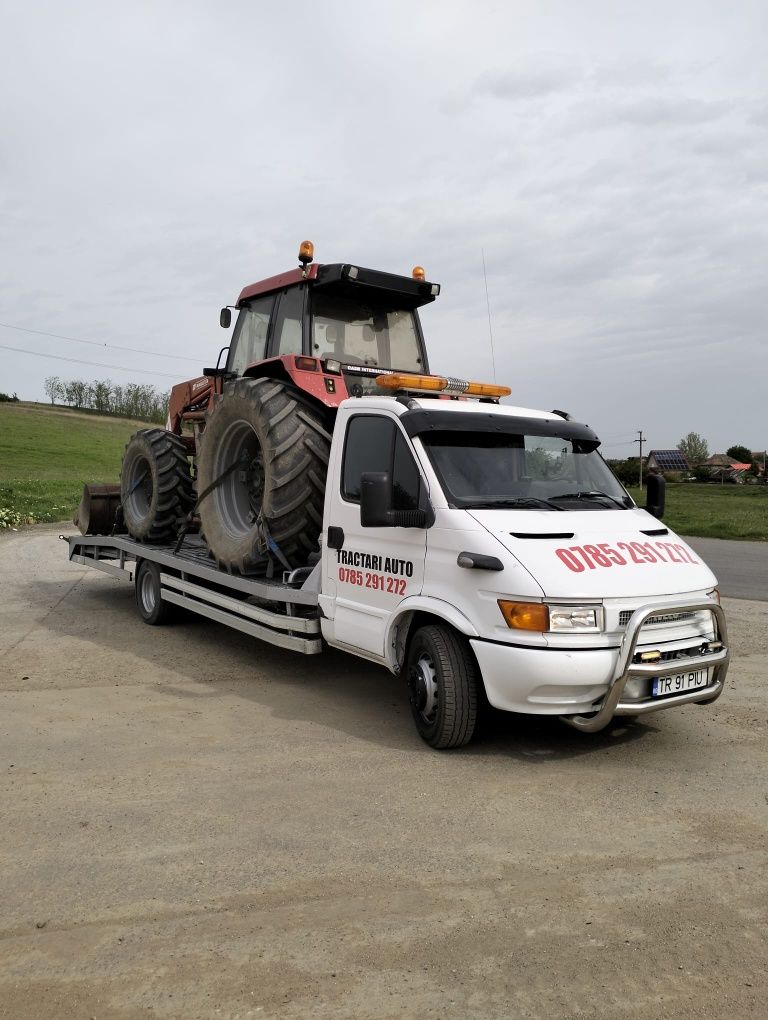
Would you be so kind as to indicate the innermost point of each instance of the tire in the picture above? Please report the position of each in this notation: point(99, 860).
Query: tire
point(155, 485)
point(442, 686)
point(152, 608)
point(278, 492)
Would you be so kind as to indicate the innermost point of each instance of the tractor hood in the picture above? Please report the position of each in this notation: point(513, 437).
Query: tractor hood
point(598, 553)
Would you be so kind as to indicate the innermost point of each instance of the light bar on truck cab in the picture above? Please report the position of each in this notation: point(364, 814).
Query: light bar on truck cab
point(440, 384)
point(418, 273)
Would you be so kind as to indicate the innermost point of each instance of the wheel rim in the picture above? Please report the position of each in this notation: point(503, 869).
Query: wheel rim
point(238, 498)
point(139, 498)
point(424, 689)
point(147, 592)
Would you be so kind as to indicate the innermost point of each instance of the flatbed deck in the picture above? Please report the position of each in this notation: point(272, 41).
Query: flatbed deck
point(283, 612)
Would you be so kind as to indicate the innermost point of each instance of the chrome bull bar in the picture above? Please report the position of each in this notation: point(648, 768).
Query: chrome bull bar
point(612, 704)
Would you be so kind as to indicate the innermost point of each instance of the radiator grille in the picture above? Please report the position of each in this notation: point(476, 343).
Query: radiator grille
point(626, 614)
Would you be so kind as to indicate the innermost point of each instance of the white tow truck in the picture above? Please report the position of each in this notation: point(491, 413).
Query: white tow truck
point(470, 547)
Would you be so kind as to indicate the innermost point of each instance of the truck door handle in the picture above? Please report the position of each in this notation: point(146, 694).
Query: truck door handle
point(335, 538)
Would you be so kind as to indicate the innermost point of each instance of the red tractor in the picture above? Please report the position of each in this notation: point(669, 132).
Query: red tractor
point(258, 427)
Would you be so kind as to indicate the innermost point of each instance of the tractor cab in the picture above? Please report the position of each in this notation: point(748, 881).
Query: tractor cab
point(340, 322)
point(325, 330)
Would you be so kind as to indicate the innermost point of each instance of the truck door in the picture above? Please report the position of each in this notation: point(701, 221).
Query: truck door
point(374, 569)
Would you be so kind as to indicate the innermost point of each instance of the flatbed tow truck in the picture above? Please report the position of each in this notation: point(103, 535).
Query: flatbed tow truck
point(472, 548)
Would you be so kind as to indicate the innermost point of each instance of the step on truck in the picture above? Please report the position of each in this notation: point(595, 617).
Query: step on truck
point(323, 488)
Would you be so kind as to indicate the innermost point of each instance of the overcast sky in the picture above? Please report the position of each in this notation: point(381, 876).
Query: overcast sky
point(609, 158)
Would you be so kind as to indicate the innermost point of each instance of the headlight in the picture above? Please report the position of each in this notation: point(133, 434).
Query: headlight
point(543, 618)
point(575, 618)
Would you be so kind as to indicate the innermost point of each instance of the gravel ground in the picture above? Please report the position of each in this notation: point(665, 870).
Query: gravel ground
point(194, 825)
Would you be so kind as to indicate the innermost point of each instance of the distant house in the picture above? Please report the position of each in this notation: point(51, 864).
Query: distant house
point(725, 469)
point(666, 460)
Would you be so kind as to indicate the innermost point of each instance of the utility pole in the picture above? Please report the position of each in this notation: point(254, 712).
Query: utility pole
point(640, 441)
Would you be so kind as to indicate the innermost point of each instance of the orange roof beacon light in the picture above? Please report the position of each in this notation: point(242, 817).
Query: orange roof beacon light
point(441, 384)
point(306, 253)
point(418, 273)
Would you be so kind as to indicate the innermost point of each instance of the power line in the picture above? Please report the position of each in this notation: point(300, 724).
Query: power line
point(96, 364)
point(99, 343)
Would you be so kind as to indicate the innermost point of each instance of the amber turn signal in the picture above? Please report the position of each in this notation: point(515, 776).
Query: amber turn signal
point(525, 615)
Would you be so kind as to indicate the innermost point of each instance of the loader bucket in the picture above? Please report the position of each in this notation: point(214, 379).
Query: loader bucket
point(98, 508)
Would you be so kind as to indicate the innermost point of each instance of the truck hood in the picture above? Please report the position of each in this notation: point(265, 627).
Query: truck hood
point(598, 553)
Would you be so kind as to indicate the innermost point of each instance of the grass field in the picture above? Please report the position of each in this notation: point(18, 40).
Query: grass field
point(715, 511)
point(46, 454)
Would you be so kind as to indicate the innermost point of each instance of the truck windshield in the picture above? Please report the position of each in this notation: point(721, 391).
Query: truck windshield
point(354, 334)
point(526, 472)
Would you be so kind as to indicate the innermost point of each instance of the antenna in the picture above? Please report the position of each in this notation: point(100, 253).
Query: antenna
point(488, 305)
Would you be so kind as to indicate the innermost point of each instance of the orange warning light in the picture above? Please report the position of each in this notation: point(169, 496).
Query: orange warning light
point(439, 383)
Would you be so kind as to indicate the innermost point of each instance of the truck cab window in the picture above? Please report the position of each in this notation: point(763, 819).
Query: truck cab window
point(376, 444)
point(249, 341)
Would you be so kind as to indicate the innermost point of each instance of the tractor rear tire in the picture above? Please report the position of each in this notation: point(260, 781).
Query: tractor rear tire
point(265, 451)
point(156, 490)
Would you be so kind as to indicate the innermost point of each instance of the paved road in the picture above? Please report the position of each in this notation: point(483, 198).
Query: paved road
point(740, 567)
point(198, 826)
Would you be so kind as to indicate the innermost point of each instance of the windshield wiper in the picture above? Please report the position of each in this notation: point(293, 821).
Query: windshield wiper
point(531, 502)
point(594, 494)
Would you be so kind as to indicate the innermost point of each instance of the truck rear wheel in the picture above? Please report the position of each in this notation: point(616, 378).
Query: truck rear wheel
point(442, 686)
point(152, 608)
point(265, 452)
point(155, 485)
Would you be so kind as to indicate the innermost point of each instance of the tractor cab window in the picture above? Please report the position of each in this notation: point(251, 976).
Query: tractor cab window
point(249, 340)
point(355, 334)
point(288, 323)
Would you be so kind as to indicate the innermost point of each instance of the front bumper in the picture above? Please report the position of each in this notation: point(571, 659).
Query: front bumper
point(586, 688)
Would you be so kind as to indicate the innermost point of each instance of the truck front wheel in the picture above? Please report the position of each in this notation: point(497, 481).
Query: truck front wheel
point(442, 686)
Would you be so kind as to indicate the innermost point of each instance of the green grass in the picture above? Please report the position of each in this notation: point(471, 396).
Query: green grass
point(715, 511)
point(46, 454)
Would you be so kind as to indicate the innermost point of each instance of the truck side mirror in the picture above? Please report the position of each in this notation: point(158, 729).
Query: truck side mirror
point(225, 318)
point(656, 494)
point(375, 499)
point(376, 504)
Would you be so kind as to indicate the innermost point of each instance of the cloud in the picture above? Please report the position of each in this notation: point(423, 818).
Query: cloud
point(672, 111)
point(513, 85)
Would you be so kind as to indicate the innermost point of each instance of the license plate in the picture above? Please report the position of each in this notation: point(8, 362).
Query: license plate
point(679, 682)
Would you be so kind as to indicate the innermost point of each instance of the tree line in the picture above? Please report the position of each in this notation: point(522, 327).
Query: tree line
point(134, 400)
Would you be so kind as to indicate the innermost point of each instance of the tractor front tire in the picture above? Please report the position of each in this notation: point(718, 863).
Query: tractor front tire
point(264, 456)
point(156, 489)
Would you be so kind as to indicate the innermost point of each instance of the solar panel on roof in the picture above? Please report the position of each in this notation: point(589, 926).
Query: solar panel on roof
point(669, 460)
